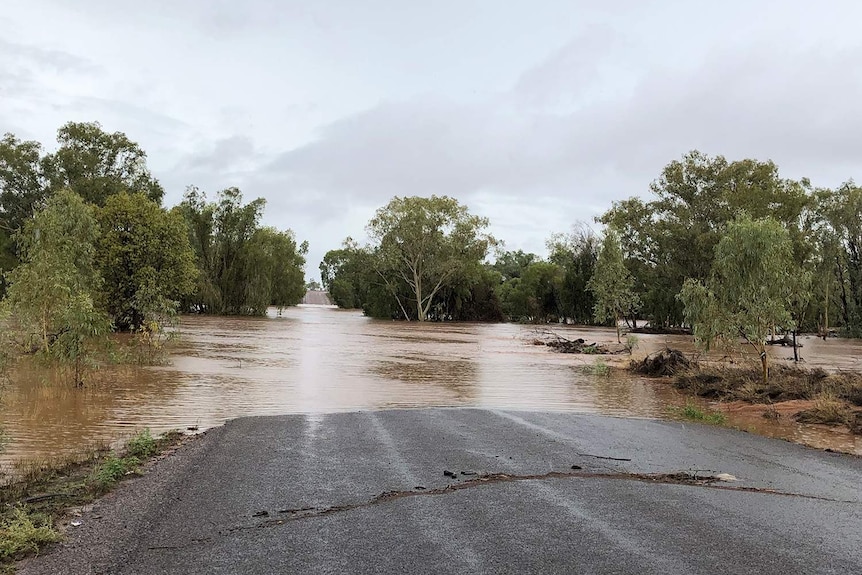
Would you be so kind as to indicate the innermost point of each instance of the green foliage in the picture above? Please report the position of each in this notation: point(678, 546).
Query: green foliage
point(840, 235)
point(144, 281)
point(110, 470)
point(50, 295)
point(421, 245)
point(243, 267)
point(512, 265)
point(749, 290)
point(673, 237)
point(96, 164)
point(695, 413)
point(598, 367)
point(23, 190)
point(142, 446)
point(535, 296)
point(22, 533)
point(576, 254)
point(611, 284)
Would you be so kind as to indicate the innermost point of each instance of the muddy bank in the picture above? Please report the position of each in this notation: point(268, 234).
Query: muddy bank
point(808, 396)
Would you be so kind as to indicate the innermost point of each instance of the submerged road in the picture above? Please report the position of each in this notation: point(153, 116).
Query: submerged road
point(366, 493)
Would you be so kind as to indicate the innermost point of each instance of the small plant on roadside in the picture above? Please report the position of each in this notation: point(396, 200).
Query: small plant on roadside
point(110, 470)
point(692, 412)
point(631, 342)
point(22, 533)
point(142, 446)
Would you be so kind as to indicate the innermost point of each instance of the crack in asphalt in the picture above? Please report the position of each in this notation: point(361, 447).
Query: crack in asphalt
point(678, 478)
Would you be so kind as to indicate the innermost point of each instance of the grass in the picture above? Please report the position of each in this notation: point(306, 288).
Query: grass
point(45, 490)
point(598, 367)
point(692, 412)
point(827, 409)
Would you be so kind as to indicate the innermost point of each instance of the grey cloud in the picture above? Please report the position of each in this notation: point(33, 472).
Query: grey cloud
point(796, 108)
point(45, 58)
point(226, 155)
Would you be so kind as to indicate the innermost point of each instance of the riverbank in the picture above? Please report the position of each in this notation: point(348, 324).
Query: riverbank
point(806, 396)
point(46, 498)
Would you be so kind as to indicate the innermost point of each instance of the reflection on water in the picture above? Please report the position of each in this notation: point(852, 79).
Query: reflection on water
point(316, 360)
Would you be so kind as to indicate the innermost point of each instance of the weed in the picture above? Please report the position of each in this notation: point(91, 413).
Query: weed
point(142, 445)
point(22, 533)
point(827, 409)
point(631, 342)
point(110, 470)
point(599, 367)
point(695, 413)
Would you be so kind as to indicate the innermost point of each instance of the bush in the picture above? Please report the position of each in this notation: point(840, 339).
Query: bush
point(111, 470)
point(142, 446)
point(20, 534)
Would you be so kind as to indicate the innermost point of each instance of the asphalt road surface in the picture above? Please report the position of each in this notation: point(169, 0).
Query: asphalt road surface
point(366, 493)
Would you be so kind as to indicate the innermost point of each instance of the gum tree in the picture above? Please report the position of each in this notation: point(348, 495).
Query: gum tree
point(612, 285)
point(423, 244)
point(750, 289)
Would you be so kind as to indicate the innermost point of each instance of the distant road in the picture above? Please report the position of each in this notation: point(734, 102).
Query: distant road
point(525, 493)
point(317, 297)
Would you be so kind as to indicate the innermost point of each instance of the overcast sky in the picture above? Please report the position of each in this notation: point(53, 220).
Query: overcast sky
point(536, 114)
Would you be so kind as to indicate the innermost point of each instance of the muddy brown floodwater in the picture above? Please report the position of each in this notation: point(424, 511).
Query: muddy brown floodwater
point(318, 359)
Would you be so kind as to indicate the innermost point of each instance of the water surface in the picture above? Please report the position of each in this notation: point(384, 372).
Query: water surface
point(316, 359)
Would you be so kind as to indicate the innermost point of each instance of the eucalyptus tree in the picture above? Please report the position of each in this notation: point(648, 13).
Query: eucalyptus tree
point(672, 237)
point(50, 300)
point(612, 284)
point(145, 258)
point(749, 291)
point(96, 164)
point(422, 244)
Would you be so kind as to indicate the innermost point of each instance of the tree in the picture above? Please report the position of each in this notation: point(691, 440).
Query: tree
point(423, 243)
point(50, 295)
point(576, 254)
point(612, 285)
point(145, 258)
point(511, 265)
point(673, 237)
point(96, 164)
point(243, 267)
point(23, 190)
point(841, 241)
point(749, 290)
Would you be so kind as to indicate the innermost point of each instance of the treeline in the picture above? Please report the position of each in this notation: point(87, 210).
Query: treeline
point(651, 248)
point(426, 259)
point(87, 247)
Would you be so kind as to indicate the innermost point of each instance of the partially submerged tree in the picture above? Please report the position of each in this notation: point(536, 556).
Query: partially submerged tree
point(50, 295)
point(243, 267)
point(423, 243)
point(145, 258)
point(612, 285)
point(749, 291)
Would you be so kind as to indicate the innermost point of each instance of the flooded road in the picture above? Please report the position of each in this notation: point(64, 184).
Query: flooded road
point(318, 360)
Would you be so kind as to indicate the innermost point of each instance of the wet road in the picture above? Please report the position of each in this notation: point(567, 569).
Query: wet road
point(366, 492)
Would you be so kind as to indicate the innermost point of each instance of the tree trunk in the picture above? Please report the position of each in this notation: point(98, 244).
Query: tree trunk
point(617, 323)
point(826, 314)
point(764, 363)
point(795, 352)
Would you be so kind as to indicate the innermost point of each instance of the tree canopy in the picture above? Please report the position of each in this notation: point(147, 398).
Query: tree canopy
point(142, 278)
point(748, 293)
point(423, 244)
